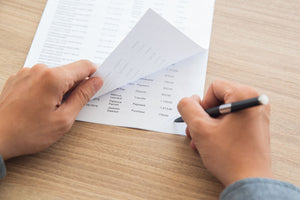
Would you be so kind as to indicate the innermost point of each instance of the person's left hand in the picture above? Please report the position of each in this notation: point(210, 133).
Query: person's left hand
point(32, 115)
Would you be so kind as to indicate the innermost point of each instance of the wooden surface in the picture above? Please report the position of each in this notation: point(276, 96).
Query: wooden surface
point(254, 42)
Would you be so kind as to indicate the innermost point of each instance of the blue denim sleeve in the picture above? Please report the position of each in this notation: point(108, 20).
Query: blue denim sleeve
point(261, 188)
point(2, 168)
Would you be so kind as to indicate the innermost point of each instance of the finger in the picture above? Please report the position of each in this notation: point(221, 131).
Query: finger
point(193, 146)
point(69, 92)
point(196, 98)
point(76, 72)
point(222, 91)
point(210, 100)
point(81, 95)
point(188, 134)
point(190, 109)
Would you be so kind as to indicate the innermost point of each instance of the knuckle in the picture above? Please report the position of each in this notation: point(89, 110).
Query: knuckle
point(39, 67)
point(48, 75)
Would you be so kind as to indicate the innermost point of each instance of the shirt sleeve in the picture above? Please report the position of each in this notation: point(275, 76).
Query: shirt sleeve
point(261, 188)
point(2, 168)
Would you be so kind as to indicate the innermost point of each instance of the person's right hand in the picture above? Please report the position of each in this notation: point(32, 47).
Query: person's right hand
point(234, 146)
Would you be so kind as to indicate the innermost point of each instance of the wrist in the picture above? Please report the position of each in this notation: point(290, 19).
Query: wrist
point(241, 175)
point(5, 149)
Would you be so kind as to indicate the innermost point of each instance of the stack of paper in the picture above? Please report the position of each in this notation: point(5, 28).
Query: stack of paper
point(145, 74)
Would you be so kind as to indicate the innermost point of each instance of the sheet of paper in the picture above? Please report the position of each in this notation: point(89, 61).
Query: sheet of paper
point(71, 30)
point(152, 45)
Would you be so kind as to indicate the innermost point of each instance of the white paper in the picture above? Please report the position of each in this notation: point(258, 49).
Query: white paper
point(91, 29)
point(152, 45)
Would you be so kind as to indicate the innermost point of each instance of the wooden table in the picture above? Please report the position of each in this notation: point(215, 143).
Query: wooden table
point(253, 42)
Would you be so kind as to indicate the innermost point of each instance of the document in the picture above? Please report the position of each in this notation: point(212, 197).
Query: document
point(71, 30)
point(152, 45)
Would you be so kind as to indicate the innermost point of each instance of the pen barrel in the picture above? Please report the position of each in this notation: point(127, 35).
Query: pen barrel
point(213, 112)
point(233, 107)
point(245, 104)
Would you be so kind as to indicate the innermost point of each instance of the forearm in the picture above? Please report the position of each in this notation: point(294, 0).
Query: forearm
point(260, 188)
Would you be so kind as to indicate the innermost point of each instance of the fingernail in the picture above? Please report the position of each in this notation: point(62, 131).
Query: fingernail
point(96, 65)
point(97, 83)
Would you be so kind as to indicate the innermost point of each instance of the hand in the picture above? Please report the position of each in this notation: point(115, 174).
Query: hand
point(234, 146)
point(32, 115)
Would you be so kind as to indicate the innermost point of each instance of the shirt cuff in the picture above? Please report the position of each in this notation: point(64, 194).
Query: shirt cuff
point(261, 188)
point(2, 168)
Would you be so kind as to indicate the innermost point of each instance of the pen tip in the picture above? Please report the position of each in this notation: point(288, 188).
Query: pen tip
point(178, 120)
point(263, 99)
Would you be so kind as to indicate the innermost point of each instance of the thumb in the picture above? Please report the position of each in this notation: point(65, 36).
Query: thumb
point(191, 110)
point(81, 95)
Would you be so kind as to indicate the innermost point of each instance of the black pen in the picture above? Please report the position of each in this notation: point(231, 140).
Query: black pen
point(235, 106)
